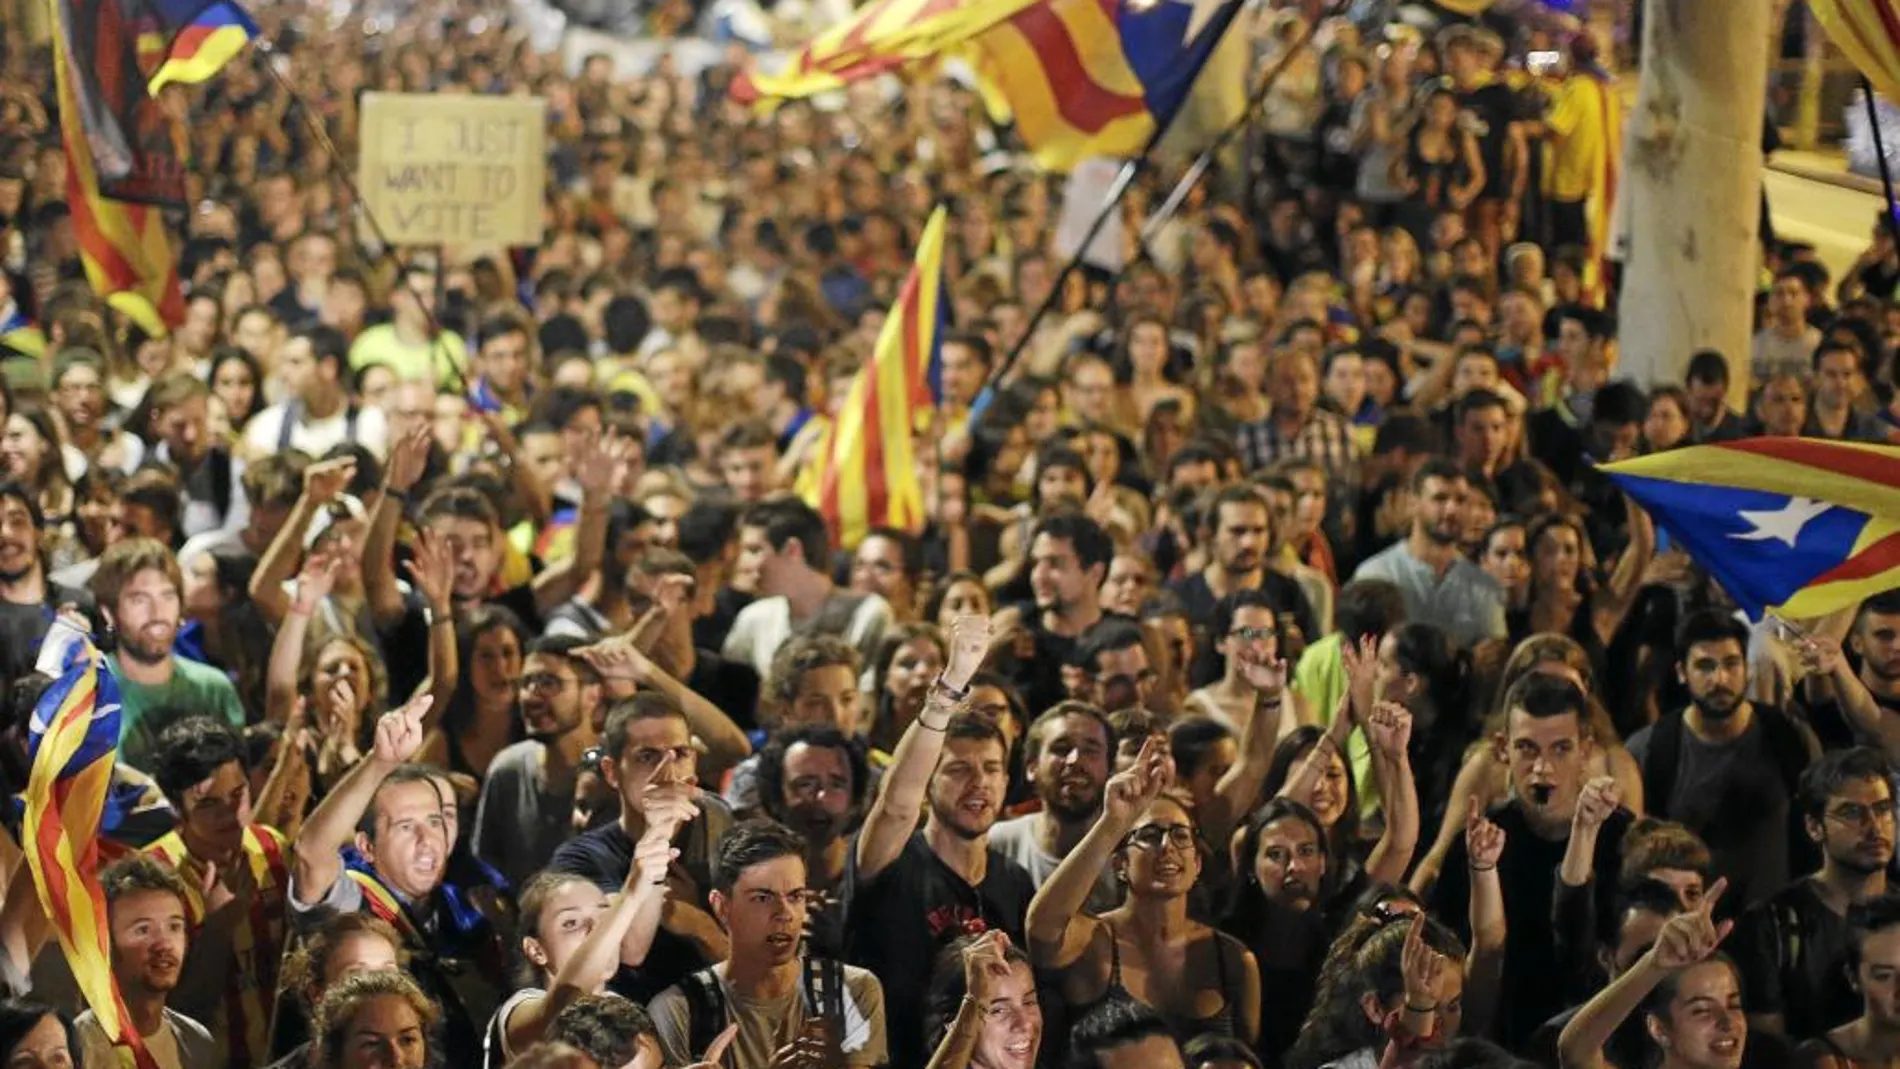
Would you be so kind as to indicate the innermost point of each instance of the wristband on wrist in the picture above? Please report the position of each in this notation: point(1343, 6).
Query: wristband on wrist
point(1484, 868)
point(1409, 1008)
point(954, 693)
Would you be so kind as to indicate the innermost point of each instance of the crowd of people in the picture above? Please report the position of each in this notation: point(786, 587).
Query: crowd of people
point(1276, 682)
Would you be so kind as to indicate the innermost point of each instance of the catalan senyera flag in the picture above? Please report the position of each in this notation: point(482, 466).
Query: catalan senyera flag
point(121, 162)
point(1083, 78)
point(1798, 526)
point(193, 38)
point(72, 743)
point(881, 36)
point(864, 473)
point(1868, 32)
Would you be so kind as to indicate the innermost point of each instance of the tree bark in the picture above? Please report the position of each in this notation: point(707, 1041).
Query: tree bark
point(1692, 165)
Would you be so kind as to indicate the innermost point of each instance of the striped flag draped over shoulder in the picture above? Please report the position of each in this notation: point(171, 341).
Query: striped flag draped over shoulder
point(865, 472)
point(72, 743)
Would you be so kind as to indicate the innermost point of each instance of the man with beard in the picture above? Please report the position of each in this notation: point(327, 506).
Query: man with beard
point(1066, 756)
point(527, 800)
point(1069, 556)
point(913, 892)
point(1794, 948)
point(1546, 746)
point(813, 779)
point(1441, 586)
point(397, 815)
point(145, 907)
point(1727, 768)
point(1239, 533)
point(761, 898)
point(140, 590)
point(28, 597)
point(1110, 668)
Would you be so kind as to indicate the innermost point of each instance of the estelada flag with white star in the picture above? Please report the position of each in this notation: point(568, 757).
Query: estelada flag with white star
point(1799, 526)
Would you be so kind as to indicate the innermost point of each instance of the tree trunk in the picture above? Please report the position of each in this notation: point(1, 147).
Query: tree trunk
point(1692, 166)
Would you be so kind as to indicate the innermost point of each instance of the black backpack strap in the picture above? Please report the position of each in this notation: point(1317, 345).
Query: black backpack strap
point(293, 415)
point(1659, 770)
point(705, 1011)
point(221, 487)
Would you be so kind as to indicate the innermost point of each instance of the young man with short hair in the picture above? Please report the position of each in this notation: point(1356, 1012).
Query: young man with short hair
point(761, 897)
point(1441, 586)
point(1238, 527)
point(814, 779)
point(146, 909)
point(140, 591)
point(1559, 831)
point(235, 871)
point(527, 799)
point(1067, 754)
point(1069, 556)
point(913, 890)
point(317, 412)
point(1793, 949)
point(648, 758)
point(785, 542)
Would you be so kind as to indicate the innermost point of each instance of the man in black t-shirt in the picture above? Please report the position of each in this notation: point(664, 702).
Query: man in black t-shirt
point(1551, 839)
point(1068, 560)
point(1793, 948)
point(910, 893)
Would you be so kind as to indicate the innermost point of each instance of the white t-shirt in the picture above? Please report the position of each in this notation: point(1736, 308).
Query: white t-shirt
point(763, 626)
point(316, 437)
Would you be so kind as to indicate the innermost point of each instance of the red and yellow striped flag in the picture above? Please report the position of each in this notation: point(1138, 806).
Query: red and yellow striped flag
point(73, 741)
point(864, 472)
point(124, 247)
point(1868, 31)
point(882, 35)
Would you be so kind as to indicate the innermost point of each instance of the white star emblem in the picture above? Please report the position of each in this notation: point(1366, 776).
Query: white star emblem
point(1204, 11)
point(1784, 523)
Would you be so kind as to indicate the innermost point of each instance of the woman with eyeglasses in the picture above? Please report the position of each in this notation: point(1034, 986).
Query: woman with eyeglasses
point(575, 937)
point(1149, 949)
point(1246, 631)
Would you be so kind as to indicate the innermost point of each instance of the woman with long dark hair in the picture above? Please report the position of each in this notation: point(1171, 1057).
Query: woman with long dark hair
point(1421, 669)
point(1565, 596)
point(481, 718)
point(907, 664)
point(1148, 949)
point(984, 1005)
point(1401, 976)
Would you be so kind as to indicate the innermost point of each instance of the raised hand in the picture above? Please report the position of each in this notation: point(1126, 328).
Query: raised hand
point(653, 856)
point(1421, 967)
point(433, 572)
point(408, 457)
point(617, 659)
point(1362, 674)
point(1820, 654)
point(1268, 678)
point(316, 580)
point(969, 644)
point(598, 462)
point(1130, 792)
point(215, 894)
point(399, 733)
point(1484, 841)
point(985, 965)
point(1692, 935)
point(673, 593)
point(1389, 729)
point(1598, 799)
point(325, 479)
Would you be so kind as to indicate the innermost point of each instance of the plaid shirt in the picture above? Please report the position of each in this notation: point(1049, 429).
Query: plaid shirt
point(1324, 437)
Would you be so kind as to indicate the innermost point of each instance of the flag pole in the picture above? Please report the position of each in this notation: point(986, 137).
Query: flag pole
point(1880, 154)
point(1116, 190)
point(264, 45)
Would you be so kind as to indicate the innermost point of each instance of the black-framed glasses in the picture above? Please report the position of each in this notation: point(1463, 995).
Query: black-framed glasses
point(1154, 836)
point(543, 683)
point(1254, 634)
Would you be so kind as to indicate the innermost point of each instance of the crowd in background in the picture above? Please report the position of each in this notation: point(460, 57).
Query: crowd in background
point(1275, 682)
